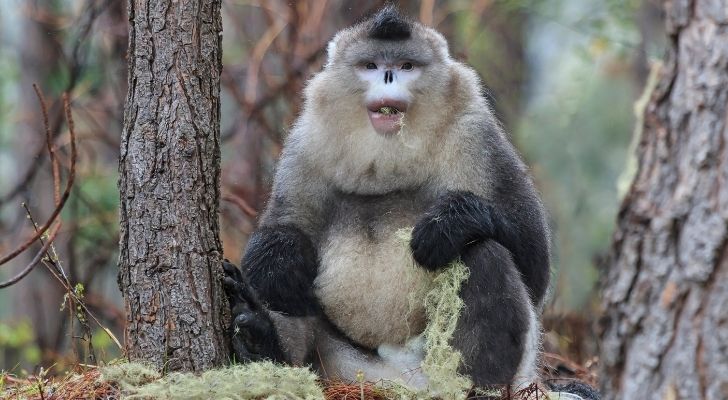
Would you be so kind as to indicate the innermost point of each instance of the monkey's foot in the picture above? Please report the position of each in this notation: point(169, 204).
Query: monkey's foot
point(252, 334)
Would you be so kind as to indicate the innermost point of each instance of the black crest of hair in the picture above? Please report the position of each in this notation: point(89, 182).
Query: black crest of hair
point(389, 24)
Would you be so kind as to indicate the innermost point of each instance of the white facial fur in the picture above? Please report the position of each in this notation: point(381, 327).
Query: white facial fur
point(380, 88)
point(335, 131)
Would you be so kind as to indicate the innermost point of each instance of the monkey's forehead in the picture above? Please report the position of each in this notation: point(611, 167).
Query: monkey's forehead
point(371, 49)
point(354, 46)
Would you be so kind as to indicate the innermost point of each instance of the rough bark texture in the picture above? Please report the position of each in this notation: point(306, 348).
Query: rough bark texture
point(666, 291)
point(169, 264)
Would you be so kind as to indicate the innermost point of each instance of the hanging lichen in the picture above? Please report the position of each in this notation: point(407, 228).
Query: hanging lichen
point(443, 306)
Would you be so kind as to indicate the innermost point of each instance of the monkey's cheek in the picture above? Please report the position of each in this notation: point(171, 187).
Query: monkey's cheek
point(386, 124)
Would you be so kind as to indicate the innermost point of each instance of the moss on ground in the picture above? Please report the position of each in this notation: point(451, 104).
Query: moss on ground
point(259, 380)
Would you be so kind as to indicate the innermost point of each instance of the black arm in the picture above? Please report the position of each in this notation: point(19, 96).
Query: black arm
point(521, 228)
point(281, 264)
point(461, 218)
point(456, 219)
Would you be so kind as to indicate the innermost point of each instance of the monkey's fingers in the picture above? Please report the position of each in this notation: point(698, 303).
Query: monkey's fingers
point(254, 338)
point(432, 244)
point(232, 271)
point(241, 296)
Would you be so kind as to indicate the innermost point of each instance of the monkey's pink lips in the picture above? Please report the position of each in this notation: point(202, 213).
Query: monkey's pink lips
point(386, 115)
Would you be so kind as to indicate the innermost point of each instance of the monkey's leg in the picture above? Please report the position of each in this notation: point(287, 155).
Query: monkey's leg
point(337, 358)
point(258, 333)
point(498, 332)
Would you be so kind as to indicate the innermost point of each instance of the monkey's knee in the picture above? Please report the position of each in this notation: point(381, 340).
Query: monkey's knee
point(497, 331)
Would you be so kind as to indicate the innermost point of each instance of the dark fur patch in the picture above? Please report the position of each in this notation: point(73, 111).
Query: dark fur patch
point(456, 220)
point(388, 24)
point(253, 336)
point(492, 330)
point(459, 219)
point(280, 263)
point(518, 227)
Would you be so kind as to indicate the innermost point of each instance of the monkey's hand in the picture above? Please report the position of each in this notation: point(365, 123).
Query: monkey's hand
point(253, 335)
point(456, 220)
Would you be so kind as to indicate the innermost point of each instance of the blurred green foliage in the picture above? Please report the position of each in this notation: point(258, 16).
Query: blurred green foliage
point(9, 76)
point(575, 130)
point(17, 341)
point(94, 208)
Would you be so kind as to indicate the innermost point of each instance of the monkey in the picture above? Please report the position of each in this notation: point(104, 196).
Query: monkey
point(394, 133)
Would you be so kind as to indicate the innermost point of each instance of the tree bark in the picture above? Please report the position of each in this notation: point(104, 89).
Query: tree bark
point(666, 290)
point(169, 170)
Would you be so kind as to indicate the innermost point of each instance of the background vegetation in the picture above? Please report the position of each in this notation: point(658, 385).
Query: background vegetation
point(564, 74)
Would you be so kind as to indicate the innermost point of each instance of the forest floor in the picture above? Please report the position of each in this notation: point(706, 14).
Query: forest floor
point(89, 382)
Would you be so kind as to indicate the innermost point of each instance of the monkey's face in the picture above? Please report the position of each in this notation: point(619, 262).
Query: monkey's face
point(379, 85)
point(385, 106)
point(387, 95)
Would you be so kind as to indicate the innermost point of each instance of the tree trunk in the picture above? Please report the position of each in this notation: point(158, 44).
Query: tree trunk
point(169, 170)
point(666, 291)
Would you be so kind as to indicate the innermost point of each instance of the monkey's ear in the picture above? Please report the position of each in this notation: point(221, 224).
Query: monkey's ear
point(331, 49)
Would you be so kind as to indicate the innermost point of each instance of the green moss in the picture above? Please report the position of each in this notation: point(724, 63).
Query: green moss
point(260, 380)
point(129, 375)
point(443, 306)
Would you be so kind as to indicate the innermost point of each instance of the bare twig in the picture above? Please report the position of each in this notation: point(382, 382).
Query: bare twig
point(51, 148)
point(57, 210)
point(34, 261)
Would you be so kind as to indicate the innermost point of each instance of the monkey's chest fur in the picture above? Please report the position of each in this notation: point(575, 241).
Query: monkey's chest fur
point(368, 283)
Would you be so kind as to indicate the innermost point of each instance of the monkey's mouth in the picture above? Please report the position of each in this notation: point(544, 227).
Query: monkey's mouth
point(386, 115)
point(386, 110)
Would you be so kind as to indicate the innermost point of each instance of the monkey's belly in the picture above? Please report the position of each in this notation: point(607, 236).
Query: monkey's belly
point(372, 290)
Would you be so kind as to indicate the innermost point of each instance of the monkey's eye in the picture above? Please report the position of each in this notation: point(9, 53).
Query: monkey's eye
point(371, 65)
point(407, 66)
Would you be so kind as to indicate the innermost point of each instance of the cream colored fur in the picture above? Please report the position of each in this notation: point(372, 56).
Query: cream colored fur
point(340, 360)
point(372, 291)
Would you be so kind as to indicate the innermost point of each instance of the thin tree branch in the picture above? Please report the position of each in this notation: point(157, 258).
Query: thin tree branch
point(34, 261)
point(66, 193)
